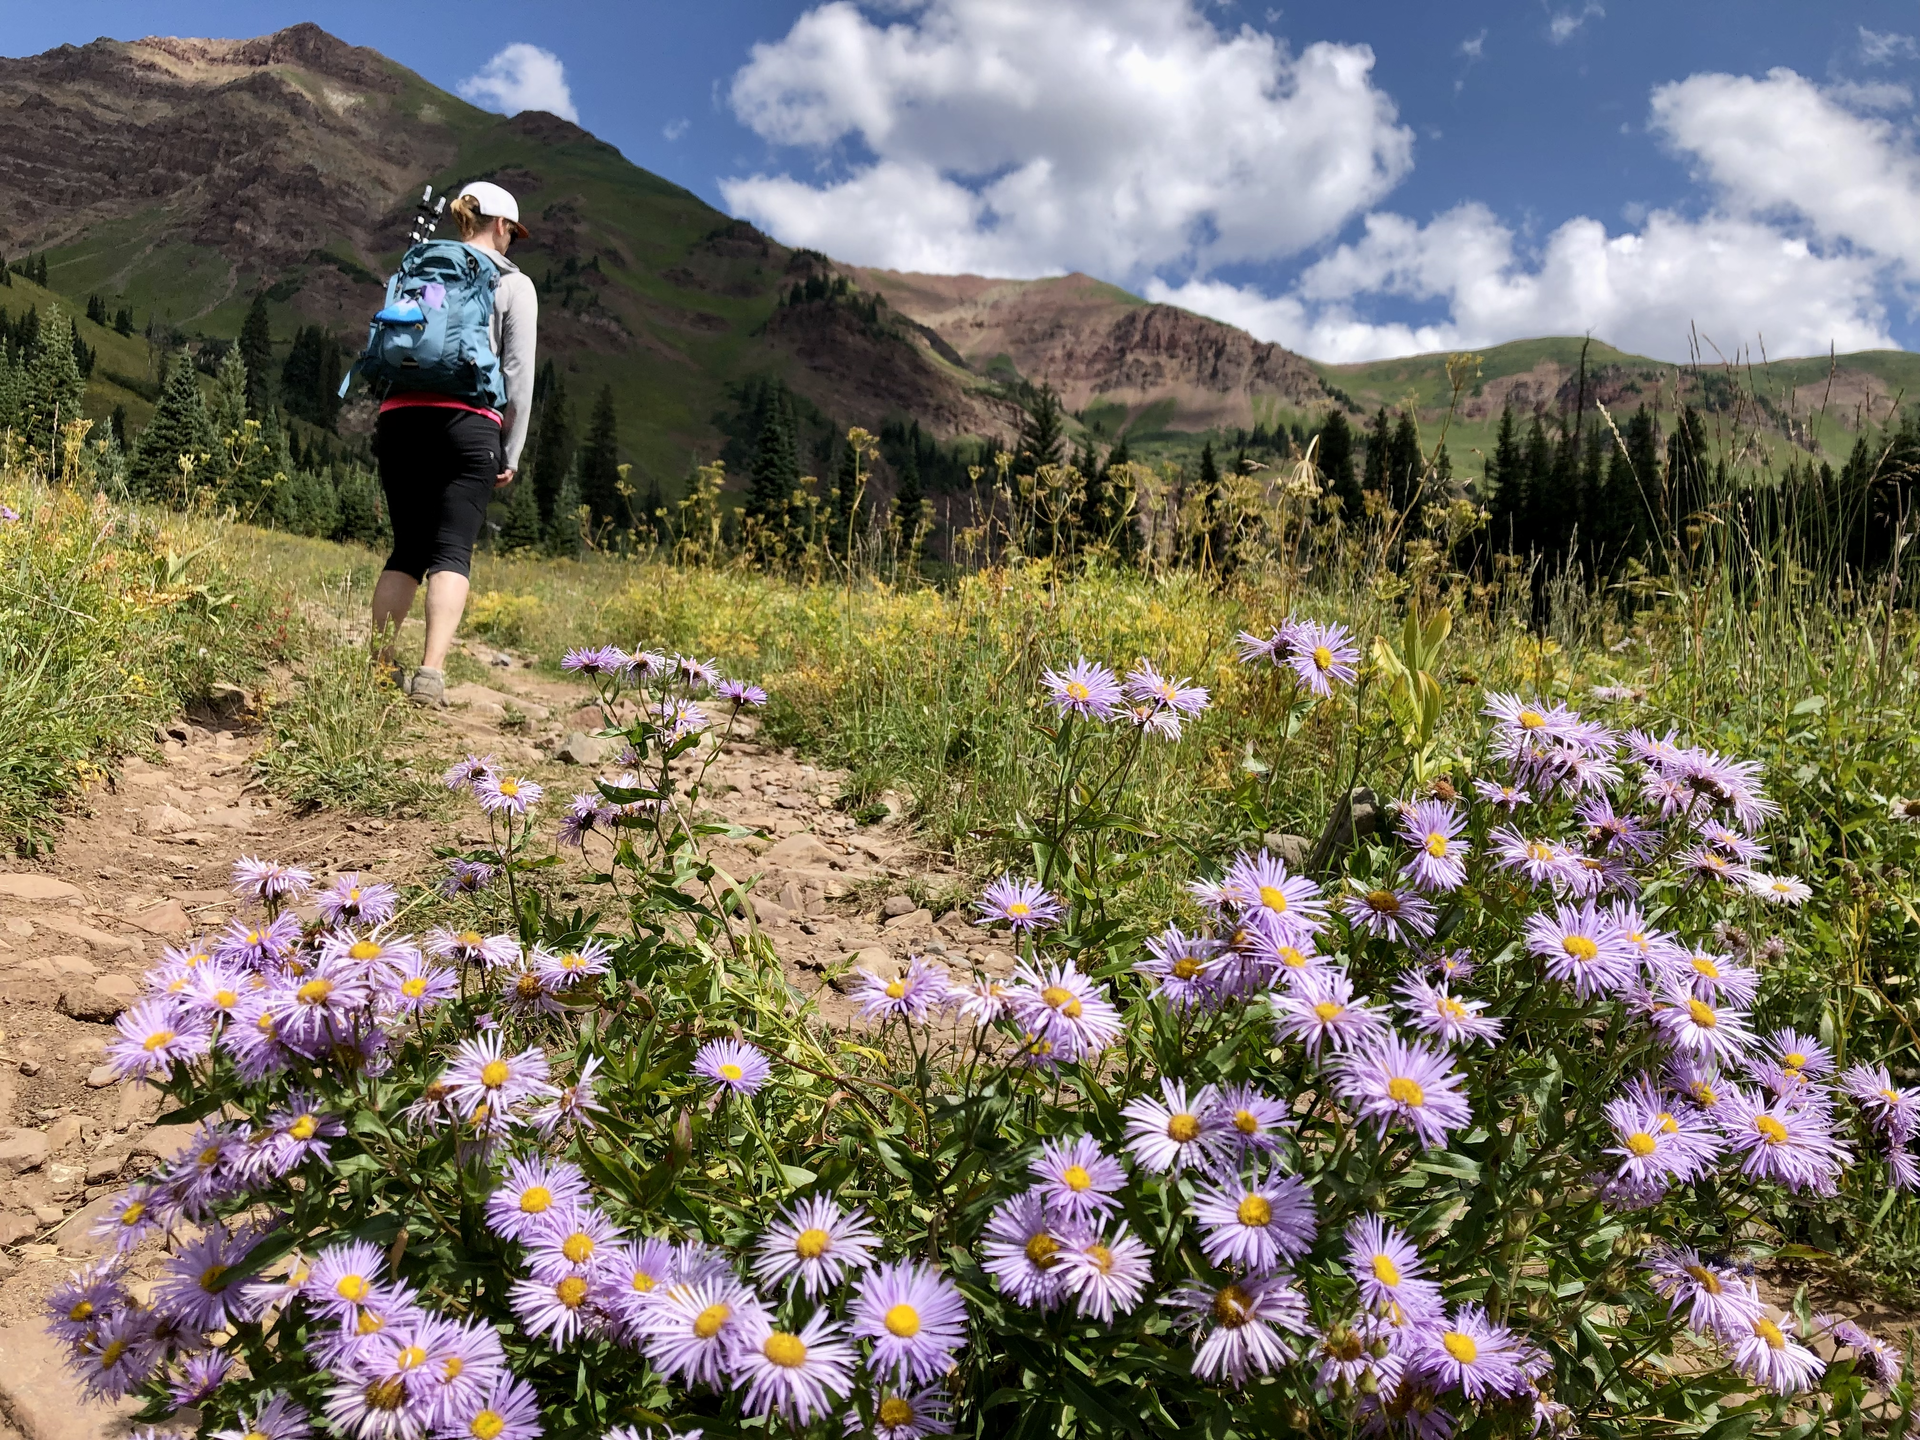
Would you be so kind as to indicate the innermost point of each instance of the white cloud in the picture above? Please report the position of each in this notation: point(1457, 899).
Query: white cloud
point(1730, 278)
point(674, 129)
point(522, 77)
point(1117, 136)
point(1883, 48)
point(1476, 47)
point(1563, 25)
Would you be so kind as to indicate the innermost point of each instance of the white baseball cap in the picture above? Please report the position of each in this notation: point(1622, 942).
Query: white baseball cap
point(495, 200)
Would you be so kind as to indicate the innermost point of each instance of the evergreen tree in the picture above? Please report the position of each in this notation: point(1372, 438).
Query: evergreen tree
point(117, 427)
point(910, 502)
point(774, 472)
point(83, 354)
point(310, 379)
point(52, 391)
point(599, 466)
point(1334, 459)
point(6, 273)
point(1688, 471)
point(1503, 491)
point(256, 351)
point(123, 320)
point(1378, 439)
point(180, 426)
point(563, 530)
point(551, 447)
point(842, 529)
point(1042, 432)
point(653, 511)
point(96, 310)
point(1404, 465)
point(1208, 489)
point(227, 406)
point(361, 506)
point(521, 529)
point(1538, 463)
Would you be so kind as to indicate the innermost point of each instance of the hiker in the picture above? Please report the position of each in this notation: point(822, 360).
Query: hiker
point(442, 457)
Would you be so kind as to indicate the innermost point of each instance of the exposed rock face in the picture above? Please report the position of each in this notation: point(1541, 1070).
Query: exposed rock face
point(1093, 341)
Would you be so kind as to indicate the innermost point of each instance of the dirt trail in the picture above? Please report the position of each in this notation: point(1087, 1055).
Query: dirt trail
point(146, 864)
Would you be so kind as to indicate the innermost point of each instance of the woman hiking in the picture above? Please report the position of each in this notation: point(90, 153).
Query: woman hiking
point(441, 458)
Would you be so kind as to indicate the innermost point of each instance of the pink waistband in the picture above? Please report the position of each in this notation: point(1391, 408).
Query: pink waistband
point(438, 402)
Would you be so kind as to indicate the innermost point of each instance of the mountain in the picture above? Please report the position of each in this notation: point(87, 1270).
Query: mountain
point(182, 177)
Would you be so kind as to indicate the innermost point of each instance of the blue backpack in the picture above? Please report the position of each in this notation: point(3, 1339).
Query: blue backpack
point(432, 334)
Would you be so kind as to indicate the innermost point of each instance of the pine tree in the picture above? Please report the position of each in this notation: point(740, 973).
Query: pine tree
point(910, 502)
point(520, 530)
point(1404, 464)
point(1209, 489)
point(842, 530)
point(1503, 491)
point(362, 506)
point(256, 351)
point(551, 447)
point(96, 310)
point(180, 426)
point(599, 467)
point(1378, 439)
point(266, 485)
point(227, 406)
point(310, 379)
point(117, 427)
point(1334, 459)
point(774, 472)
point(653, 511)
point(53, 390)
point(563, 530)
point(1042, 432)
point(123, 320)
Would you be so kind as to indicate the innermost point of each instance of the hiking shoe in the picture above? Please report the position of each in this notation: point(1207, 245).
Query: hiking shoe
point(428, 687)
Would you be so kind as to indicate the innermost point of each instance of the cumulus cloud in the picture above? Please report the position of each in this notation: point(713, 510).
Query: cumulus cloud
point(522, 77)
point(1118, 136)
point(1645, 291)
point(1563, 25)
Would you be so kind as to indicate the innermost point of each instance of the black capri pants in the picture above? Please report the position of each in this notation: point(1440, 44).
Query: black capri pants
point(437, 465)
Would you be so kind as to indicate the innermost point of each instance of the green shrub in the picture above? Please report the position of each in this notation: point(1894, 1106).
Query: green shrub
point(334, 742)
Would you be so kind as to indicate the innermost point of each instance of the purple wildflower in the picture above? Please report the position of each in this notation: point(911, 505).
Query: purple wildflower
point(1023, 904)
point(1432, 830)
point(915, 1318)
point(1084, 688)
point(1393, 1080)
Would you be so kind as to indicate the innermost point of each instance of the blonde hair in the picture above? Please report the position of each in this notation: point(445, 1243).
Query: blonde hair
point(467, 217)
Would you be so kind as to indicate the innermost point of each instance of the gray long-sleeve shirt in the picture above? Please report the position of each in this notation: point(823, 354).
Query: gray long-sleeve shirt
point(516, 317)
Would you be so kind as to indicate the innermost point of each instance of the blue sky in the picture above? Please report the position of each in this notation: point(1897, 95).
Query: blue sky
point(1353, 180)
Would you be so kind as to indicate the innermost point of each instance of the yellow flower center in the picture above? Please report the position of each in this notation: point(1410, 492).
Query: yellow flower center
point(642, 1282)
point(1668, 1125)
point(1460, 1347)
point(1292, 958)
point(1770, 1332)
point(1890, 1097)
point(1254, 1210)
point(1384, 902)
point(1233, 1307)
point(577, 1247)
point(1795, 1060)
point(1075, 1178)
point(1580, 947)
point(731, 1071)
point(414, 987)
point(133, 1213)
point(1019, 910)
point(1436, 844)
point(571, 1292)
point(487, 1425)
point(707, 1323)
point(1042, 1251)
point(1183, 1128)
point(789, 1352)
point(535, 1198)
point(494, 1074)
point(1703, 1094)
point(1539, 850)
point(1322, 658)
point(1705, 1279)
point(1185, 968)
point(363, 950)
point(1328, 1011)
point(158, 1038)
point(226, 999)
point(110, 1356)
point(1451, 1008)
point(1246, 1122)
point(1531, 719)
point(510, 787)
point(1078, 691)
point(315, 991)
point(351, 1288)
point(1101, 1256)
point(411, 1358)
point(1642, 1144)
point(454, 1367)
point(303, 1127)
point(1702, 965)
point(468, 937)
point(370, 1323)
point(904, 1321)
point(895, 1412)
point(895, 989)
point(1403, 1091)
point(1273, 898)
point(81, 1310)
point(1056, 997)
point(1702, 1014)
point(210, 1278)
point(1771, 1130)
point(1385, 1271)
point(811, 1244)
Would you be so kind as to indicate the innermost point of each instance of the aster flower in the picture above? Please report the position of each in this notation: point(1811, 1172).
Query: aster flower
point(555, 1308)
point(1396, 914)
point(298, 1131)
point(1801, 1054)
point(1085, 689)
point(677, 719)
point(1065, 1009)
point(277, 1418)
point(1247, 1317)
point(1542, 862)
point(509, 1410)
point(470, 947)
point(1251, 648)
point(741, 694)
point(483, 1074)
point(1320, 1011)
point(1791, 1144)
point(1256, 1224)
point(1022, 1249)
point(343, 1278)
point(1506, 797)
point(1106, 1274)
point(467, 877)
point(260, 947)
point(910, 1416)
point(1611, 832)
point(78, 1304)
point(468, 773)
point(571, 1106)
point(1890, 1109)
point(567, 1241)
point(1470, 1353)
point(350, 901)
point(1389, 1271)
point(914, 1318)
point(1249, 1120)
point(153, 1037)
point(1182, 696)
point(1709, 976)
point(1321, 654)
point(597, 661)
point(798, 1375)
point(1582, 949)
point(697, 674)
point(569, 967)
point(908, 996)
point(583, 815)
point(1518, 723)
point(981, 999)
point(813, 1246)
point(509, 795)
point(652, 665)
point(1392, 1080)
point(1700, 1027)
point(1436, 1012)
point(1769, 1355)
point(418, 985)
point(1431, 829)
point(1023, 904)
point(372, 953)
point(1178, 967)
point(1260, 884)
point(1777, 889)
point(313, 1012)
point(526, 989)
point(732, 1067)
point(1172, 1132)
point(115, 1357)
point(269, 880)
point(530, 1190)
point(1347, 1358)
point(1077, 1179)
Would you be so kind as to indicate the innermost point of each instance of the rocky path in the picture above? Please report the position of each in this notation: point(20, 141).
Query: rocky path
point(147, 863)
